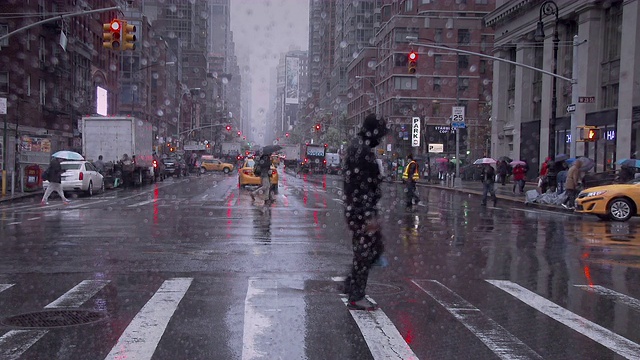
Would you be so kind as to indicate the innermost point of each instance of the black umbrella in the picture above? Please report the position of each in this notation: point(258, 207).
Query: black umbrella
point(505, 159)
point(270, 149)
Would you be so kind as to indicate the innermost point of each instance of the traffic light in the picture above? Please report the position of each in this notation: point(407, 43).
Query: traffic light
point(412, 61)
point(592, 135)
point(239, 133)
point(111, 36)
point(129, 37)
point(287, 134)
point(228, 127)
point(588, 133)
point(317, 127)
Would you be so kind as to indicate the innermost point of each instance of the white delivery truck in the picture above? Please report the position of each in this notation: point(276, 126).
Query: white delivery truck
point(126, 145)
point(231, 148)
point(291, 155)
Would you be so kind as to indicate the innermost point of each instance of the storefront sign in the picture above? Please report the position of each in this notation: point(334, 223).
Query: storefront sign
point(415, 132)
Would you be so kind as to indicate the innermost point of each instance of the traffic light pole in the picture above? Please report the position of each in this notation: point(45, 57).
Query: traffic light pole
point(84, 12)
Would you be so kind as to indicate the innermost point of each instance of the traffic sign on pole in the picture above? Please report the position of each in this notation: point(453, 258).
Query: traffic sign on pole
point(415, 131)
point(457, 117)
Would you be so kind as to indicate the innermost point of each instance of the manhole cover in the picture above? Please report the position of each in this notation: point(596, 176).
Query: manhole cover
point(53, 318)
point(373, 288)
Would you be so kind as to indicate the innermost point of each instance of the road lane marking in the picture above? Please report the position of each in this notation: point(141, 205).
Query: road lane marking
point(85, 204)
point(142, 203)
point(15, 223)
point(4, 287)
point(274, 320)
point(382, 337)
point(494, 336)
point(34, 218)
point(79, 294)
point(15, 342)
point(611, 294)
point(140, 339)
point(595, 332)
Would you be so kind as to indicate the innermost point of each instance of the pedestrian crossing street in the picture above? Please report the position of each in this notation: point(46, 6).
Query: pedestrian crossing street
point(268, 329)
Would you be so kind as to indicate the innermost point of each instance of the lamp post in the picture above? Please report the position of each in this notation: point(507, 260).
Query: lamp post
point(551, 8)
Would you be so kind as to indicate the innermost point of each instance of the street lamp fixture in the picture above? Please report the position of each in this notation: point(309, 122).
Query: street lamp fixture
point(550, 8)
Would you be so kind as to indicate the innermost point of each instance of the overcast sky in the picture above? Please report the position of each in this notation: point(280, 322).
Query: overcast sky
point(262, 30)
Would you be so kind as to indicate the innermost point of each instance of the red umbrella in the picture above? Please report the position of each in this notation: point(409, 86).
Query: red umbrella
point(442, 160)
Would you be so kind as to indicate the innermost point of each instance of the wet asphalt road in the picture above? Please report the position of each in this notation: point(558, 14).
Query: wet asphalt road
point(191, 269)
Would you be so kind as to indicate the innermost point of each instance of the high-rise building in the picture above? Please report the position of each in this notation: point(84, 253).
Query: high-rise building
point(292, 78)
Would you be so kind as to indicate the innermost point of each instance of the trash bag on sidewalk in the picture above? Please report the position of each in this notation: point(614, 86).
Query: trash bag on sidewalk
point(531, 196)
point(550, 198)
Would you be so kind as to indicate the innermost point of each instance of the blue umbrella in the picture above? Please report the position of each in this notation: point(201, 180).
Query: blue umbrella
point(629, 162)
point(68, 155)
point(561, 157)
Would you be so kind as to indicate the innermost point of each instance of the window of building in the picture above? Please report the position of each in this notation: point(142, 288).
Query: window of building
point(463, 84)
point(28, 85)
point(437, 37)
point(424, 2)
point(482, 68)
point(4, 30)
point(611, 57)
point(400, 59)
point(405, 83)
point(437, 84)
point(437, 59)
point(402, 33)
point(4, 82)
point(463, 62)
point(42, 50)
point(482, 2)
point(537, 83)
point(484, 42)
point(511, 90)
point(43, 92)
point(435, 109)
point(464, 36)
point(408, 5)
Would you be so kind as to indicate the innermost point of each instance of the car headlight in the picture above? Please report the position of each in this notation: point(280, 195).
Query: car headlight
point(595, 193)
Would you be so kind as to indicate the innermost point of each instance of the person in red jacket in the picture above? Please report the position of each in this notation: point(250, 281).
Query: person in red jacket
point(518, 178)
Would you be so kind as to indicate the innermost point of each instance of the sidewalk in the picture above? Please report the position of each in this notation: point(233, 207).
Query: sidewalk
point(18, 195)
point(502, 193)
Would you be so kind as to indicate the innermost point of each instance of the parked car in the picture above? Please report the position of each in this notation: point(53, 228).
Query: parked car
point(175, 165)
point(215, 165)
point(80, 176)
point(618, 202)
point(246, 176)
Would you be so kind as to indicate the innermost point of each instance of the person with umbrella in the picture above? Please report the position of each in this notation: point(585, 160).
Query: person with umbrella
point(573, 183)
point(262, 168)
point(488, 184)
point(54, 176)
point(518, 178)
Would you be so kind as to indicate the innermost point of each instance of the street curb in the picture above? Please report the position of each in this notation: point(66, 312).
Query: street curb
point(502, 197)
point(19, 196)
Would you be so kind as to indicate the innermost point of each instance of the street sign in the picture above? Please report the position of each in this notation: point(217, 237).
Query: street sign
point(586, 99)
point(415, 131)
point(571, 107)
point(436, 148)
point(457, 117)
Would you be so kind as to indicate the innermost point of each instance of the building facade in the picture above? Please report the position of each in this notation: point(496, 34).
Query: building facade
point(607, 74)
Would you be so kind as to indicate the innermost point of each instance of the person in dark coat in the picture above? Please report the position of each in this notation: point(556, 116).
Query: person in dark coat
point(263, 168)
point(502, 171)
point(362, 192)
point(488, 184)
point(54, 176)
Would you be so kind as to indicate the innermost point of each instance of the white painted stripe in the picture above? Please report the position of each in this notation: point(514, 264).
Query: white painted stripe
point(142, 203)
point(274, 319)
point(595, 332)
point(4, 287)
point(15, 223)
point(85, 204)
point(382, 337)
point(80, 294)
point(15, 342)
point(494, 336)
point(33, 218)
point(608, 293)
point(140, 339)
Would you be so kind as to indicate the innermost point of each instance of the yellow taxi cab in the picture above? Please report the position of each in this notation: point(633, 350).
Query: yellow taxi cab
point(618, 202)
point(246, 176)
point(210, 164)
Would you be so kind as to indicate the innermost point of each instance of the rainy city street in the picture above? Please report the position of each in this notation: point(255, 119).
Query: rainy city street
point(190, 268)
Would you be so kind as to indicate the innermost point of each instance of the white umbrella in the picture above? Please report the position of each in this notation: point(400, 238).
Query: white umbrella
point(68, 155)
point(489, 161)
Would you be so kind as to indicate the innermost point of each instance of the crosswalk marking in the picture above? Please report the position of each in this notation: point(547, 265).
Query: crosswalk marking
point(608, 293)
point(274, 320)
point(382, 337)
point(595, 332)
point(140, 339)
point(494, 336)
point(80, 294)
point(15, 342)
point(142, 203)
point(4, 287)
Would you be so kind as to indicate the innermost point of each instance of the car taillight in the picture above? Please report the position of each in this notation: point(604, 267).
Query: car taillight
point(324, 161)
point(306, 160)
point(155, 164)
point(80, 176)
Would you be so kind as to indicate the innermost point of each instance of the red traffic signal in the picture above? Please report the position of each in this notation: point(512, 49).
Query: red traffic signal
point(111, 35)
point(287, 134)
point(592, 135)
point(412, 59)
point(317, 127)
point(228, 127)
